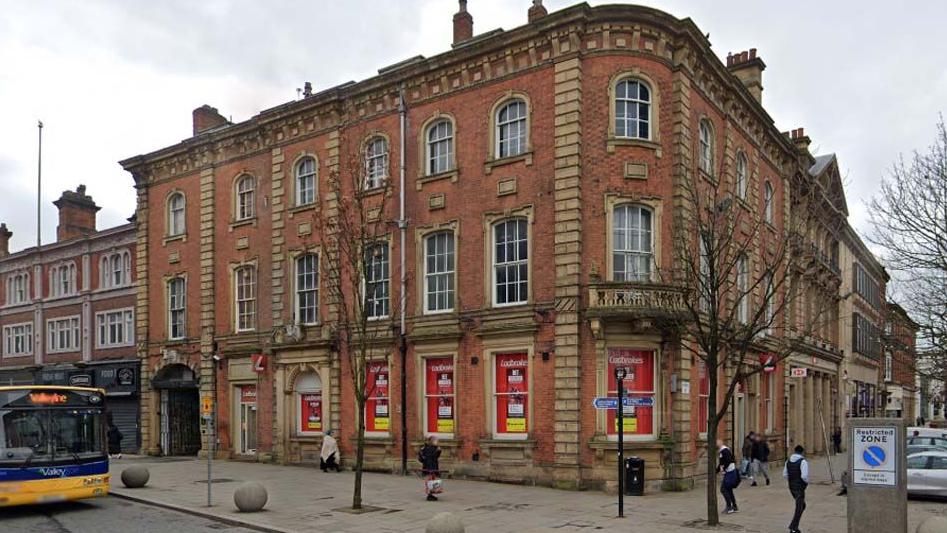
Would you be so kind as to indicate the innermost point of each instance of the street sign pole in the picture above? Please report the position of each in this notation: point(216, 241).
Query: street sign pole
point(619, 417)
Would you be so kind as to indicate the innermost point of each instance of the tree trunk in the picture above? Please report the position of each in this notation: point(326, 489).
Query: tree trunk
point(359, 455)
point(713, 516)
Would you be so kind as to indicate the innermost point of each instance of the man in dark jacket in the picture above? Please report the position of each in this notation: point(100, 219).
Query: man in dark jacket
point(797, 472)
point(747, 452)
point(760, 456)
point(731, 477)
point(114, 438)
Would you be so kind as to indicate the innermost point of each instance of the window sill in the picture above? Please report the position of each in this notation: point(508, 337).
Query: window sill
point(601, 442)
point(252, 221)
point(707, 175)
point(178, 342)
point(171, 238)
point(613, 142)
point(113, 346)
point(365, 193)
point(16, 355)
point(491, 164)
point(449, 175)
point(301, 209)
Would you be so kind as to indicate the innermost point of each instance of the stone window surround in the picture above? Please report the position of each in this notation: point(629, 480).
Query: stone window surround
point(237, 180)
point(363, 152)
point(232, 268)
point(654, 130)
point(493, 158)
point(655, 204)
point(294, 204)
point(452, 172)
point(712, 175)
point(174, 193)
point(296, 431)
point(166, 283)
point(386, 240)
point(637, 342)
point(420, 239)
point(490, 219)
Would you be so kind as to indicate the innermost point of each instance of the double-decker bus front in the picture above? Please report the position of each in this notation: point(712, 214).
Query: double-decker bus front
point(52, 444)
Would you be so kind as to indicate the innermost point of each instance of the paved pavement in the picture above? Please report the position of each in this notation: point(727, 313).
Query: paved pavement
point(305, 499)
point(105, 515)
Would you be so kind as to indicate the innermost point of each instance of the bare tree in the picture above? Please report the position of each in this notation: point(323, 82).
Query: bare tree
point(355, 230)
point(742, 268)
point(910, 223)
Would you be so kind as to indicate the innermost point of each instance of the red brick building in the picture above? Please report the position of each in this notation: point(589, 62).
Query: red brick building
point(67, 310)
point(542, 169)
point(900, 364)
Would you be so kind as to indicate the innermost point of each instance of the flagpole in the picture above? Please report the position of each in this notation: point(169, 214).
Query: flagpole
point(39, 187)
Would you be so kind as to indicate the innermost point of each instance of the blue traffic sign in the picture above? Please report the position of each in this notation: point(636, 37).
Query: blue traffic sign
point(628, 401)
point(874, 456)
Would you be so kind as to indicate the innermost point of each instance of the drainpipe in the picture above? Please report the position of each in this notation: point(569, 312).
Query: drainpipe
point(403, 226)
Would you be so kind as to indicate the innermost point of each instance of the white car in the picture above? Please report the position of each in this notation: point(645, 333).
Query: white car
point(927, 473)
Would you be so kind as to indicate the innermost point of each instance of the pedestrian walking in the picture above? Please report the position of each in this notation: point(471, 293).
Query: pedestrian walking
point(329, 457)
point(429, 455)
point(760, 457)
point(837, 440)
point(797, 472)
point(746, 454)
point(731, 477)
point(114, 438)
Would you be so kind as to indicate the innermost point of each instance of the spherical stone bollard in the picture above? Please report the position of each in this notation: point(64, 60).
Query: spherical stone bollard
point(250, 497)
point(135, 477)
point(445, 523)
point(934, 524)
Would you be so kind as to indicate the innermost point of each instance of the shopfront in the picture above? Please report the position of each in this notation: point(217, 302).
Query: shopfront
point(246, 427)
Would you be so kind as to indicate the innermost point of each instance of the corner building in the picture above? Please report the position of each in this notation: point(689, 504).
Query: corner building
point(542, 184)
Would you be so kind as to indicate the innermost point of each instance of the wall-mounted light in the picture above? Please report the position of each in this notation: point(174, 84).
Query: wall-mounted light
point(545, 356)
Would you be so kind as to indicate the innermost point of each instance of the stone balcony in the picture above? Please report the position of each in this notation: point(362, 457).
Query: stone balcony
point(620, 299)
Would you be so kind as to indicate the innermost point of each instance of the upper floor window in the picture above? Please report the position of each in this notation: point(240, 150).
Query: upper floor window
point(768, 202)
point(866, 286)
point(742, 175)
point(632, 109)
point(440, 147)
point(18, 339)
point(376, 162)
point(439, 272)
point(115, 270)
point(705, 285)
point(743, 287)
point(377, 280)
point(632, 250)
point(245, 297)
point(18, 288)
point(511, 129)
point(62, 280)
point(63, 334)
point(176, 214)
point(510, 262)
point(246, 187)
point(307, 289)
point(176, 308)
point(306, 181)
point(115, 328)
point(706, 144)
point(889, 367)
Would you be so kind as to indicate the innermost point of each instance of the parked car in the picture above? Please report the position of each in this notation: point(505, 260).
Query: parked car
point(927, 432)
point(918, 448)
point(927, 441)
point(927, 473)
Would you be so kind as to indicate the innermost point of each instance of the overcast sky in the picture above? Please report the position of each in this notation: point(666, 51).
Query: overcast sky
point(115, 78)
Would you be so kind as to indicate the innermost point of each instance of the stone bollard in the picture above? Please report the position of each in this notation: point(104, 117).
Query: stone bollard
point(934, 524)
point(445, 523)
point(250, 497)
point(135, 477)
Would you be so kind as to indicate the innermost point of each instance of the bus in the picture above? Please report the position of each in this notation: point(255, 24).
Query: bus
point(52, 444)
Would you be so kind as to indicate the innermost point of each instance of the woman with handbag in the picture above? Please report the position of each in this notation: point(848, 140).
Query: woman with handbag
point(731, 476)
point(429, 456)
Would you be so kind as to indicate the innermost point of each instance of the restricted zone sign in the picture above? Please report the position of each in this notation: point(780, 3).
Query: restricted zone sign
point(874, 456)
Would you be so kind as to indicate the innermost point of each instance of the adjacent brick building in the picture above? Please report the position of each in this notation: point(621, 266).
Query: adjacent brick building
point(900, 366)
point(67, 310)
point(543, 170)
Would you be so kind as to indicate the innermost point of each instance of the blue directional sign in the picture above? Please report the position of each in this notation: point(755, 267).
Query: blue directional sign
point(612, 403)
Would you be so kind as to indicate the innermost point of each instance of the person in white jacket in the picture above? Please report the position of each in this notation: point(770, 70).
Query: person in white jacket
point(329, 458)
point(797, 472)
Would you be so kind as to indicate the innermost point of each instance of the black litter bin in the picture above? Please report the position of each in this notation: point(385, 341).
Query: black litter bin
point(634, 476)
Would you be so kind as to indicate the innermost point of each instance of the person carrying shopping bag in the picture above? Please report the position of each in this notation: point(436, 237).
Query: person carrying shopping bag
point(429, 456)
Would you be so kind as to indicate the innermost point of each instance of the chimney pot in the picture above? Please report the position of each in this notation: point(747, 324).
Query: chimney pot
point(536, 11)
point(752, 53)
point(744, 56)
point(205, 118)
point(463, 24)
point(750, 73)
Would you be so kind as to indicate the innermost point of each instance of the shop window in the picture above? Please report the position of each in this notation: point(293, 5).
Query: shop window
point(377, 404)
point(639, 386)
point(511, 395)
point(309, 419)
point(439, 396)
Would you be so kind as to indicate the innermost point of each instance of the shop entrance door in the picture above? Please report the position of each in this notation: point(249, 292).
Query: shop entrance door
point(246, 410)
point(179, 410)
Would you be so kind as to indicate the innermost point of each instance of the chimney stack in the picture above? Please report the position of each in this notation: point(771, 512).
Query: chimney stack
point(800, 139)
point(537, 11)
point(76, 214)
point(748, 68)
point(463, 24)
point(207, 117)
point(5, 235)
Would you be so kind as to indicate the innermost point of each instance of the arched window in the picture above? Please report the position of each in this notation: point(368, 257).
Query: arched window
point(245, 297)
point(176, 214)
point(440, 147)
point(741, 177)
point(62, 280)
point(115, 270)
point(439, 272)
point(306, 181)
point(308, 391)
point(743, 287)
point(768, 202)
point(18, 288)
point(632, 109)
point(376, 162)
point(246, 186)
point(510, 262)
point(307, 289)
point(706, 140)
point(632, 251)
point(511, 129)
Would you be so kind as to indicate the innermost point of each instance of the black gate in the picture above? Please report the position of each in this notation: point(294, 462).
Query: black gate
point(184, 432)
